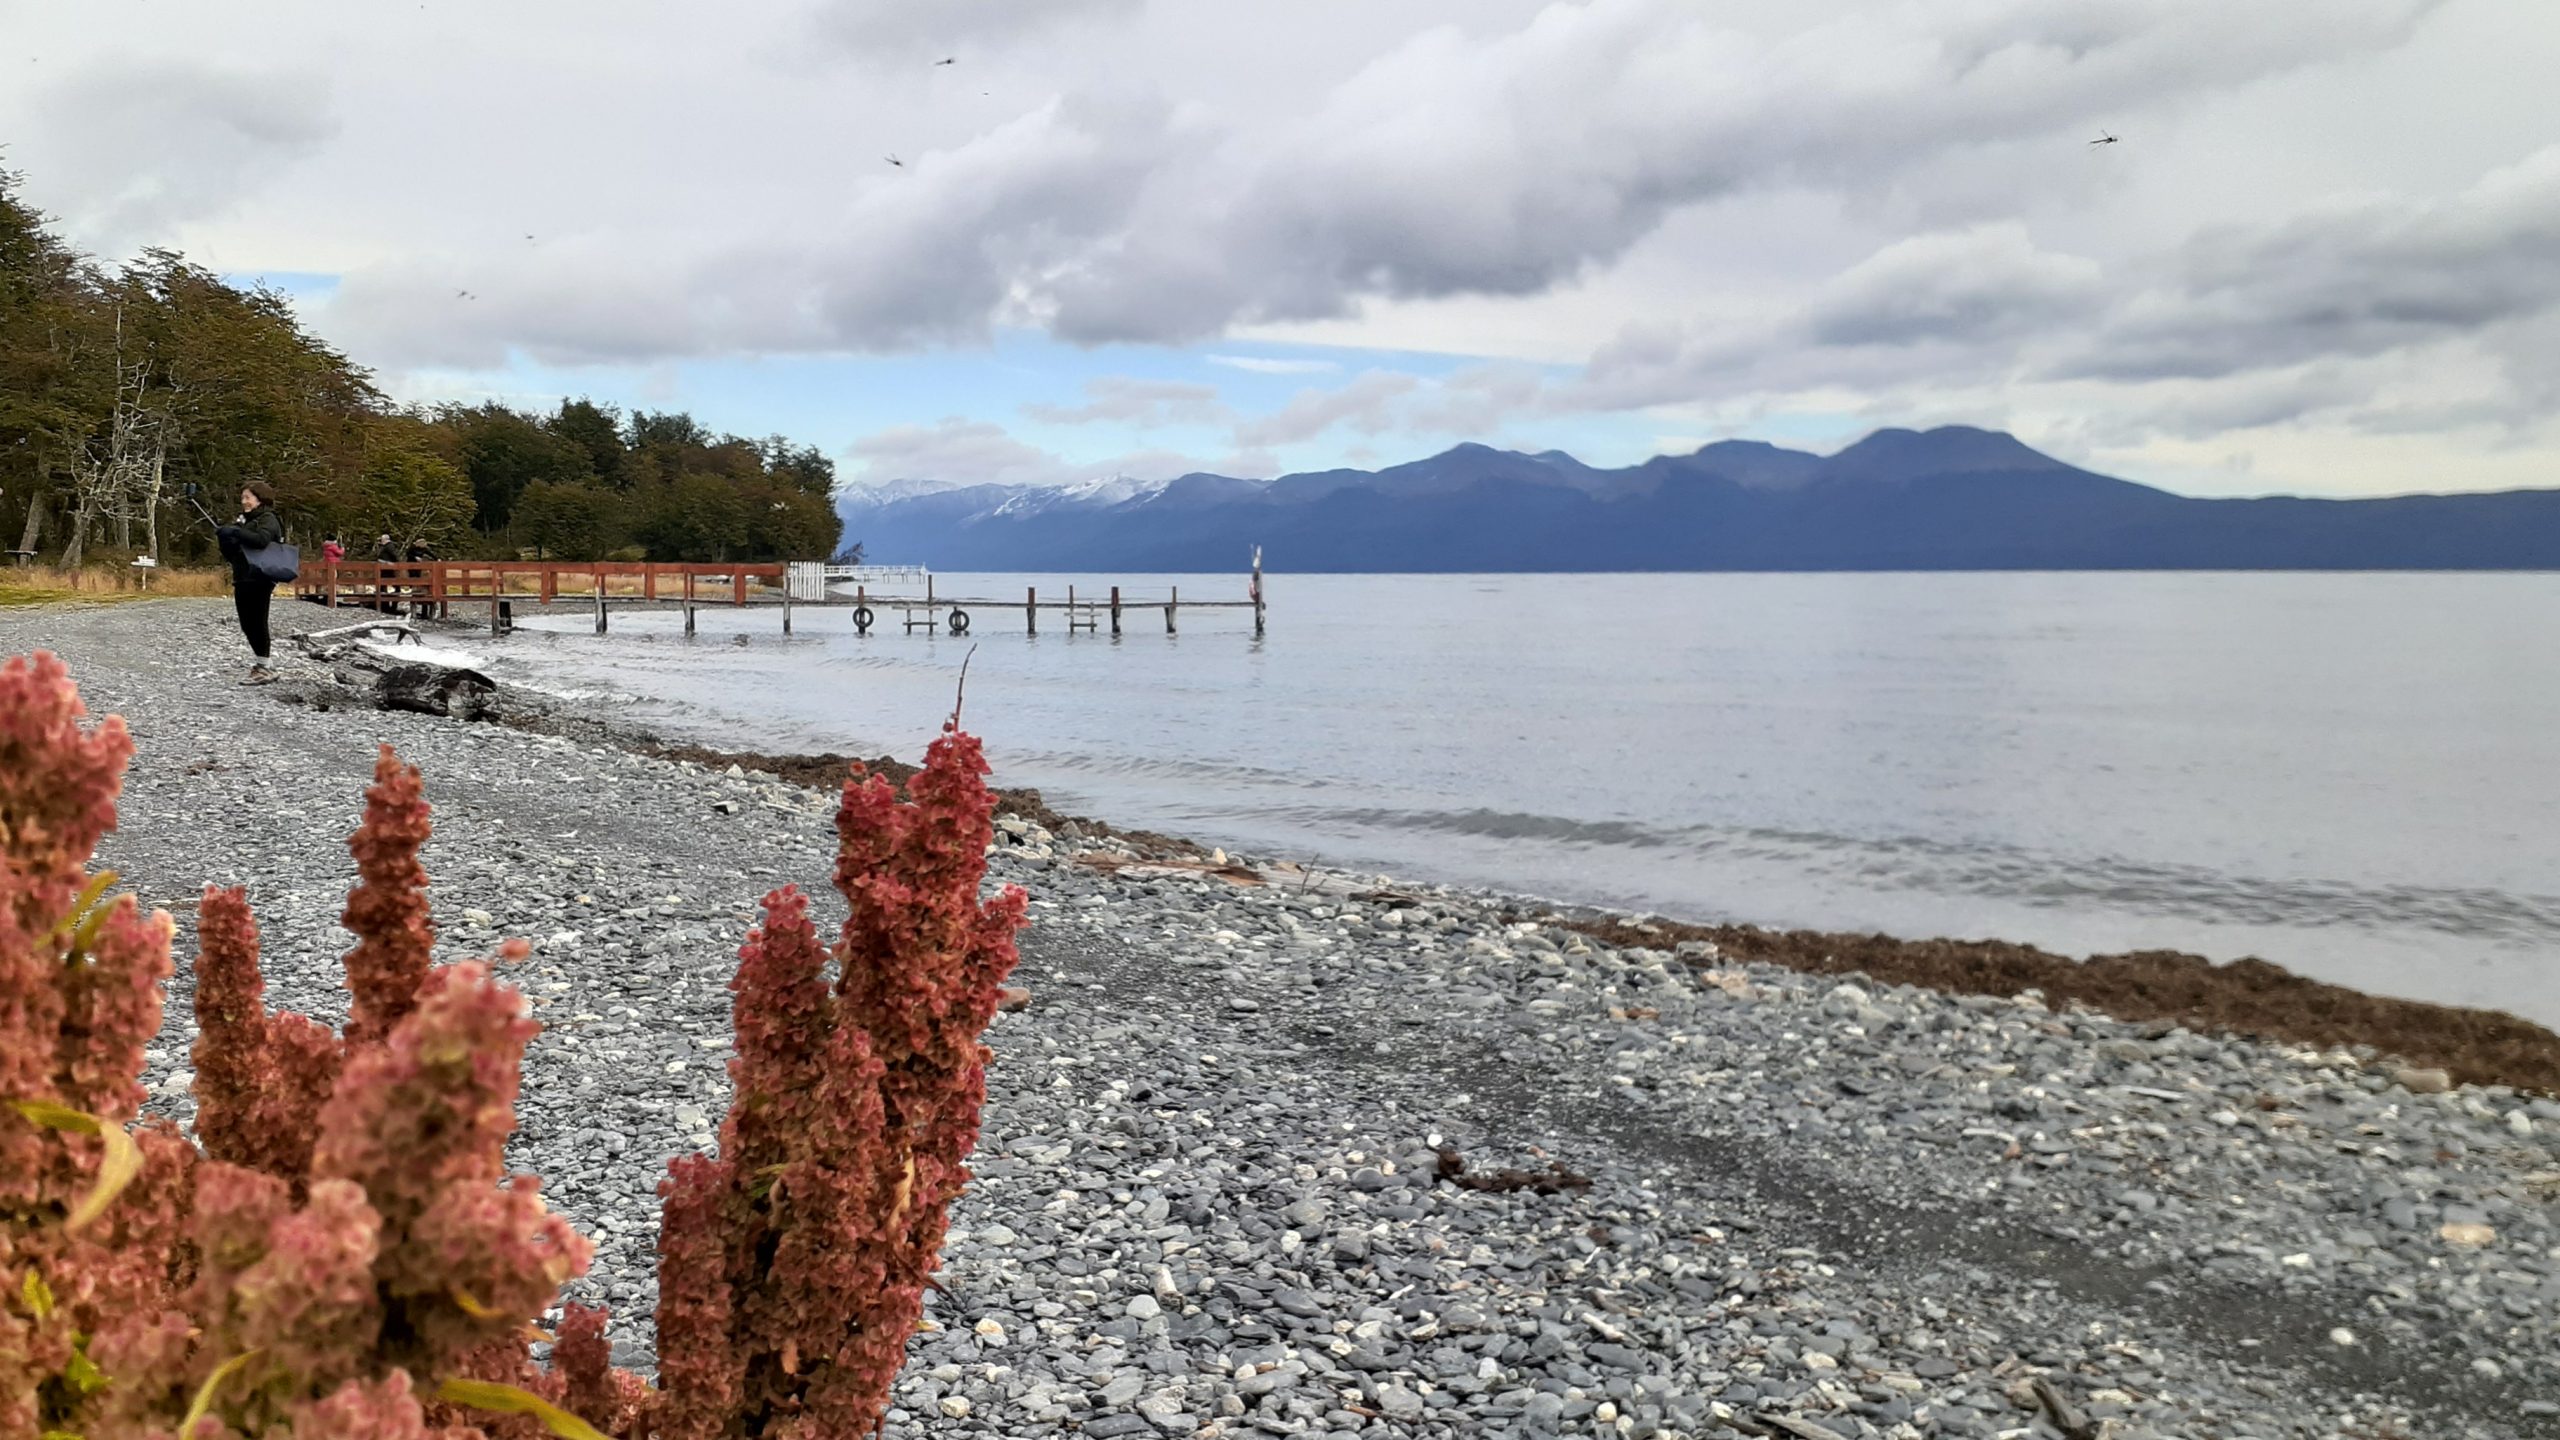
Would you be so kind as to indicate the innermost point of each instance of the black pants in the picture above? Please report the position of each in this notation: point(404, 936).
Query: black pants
point(250, 596)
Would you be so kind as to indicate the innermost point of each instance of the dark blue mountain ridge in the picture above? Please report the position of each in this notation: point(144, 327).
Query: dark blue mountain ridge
point(1952, 498)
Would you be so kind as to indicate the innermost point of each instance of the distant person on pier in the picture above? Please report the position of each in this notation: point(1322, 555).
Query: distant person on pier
point(255, 528)
point(384, 553)
point(418, 554)
point(333, 550)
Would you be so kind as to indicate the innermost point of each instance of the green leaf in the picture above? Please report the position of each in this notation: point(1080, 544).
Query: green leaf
point(38, 1295)
point(472, 1307)
point(80, 925)
point(123, 1161)
point(83, 1373)
point(203, 1403)
point(507, 1399)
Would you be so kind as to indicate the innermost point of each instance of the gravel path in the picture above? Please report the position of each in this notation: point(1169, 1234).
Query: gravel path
point(1207, 1200)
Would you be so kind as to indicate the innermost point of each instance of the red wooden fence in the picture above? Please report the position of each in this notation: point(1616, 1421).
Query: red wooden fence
point(435, 582)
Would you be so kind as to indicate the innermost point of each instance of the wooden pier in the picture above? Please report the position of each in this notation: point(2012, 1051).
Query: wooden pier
point(440, 587)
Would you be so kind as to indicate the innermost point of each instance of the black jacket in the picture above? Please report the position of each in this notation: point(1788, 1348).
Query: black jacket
point(256, 530)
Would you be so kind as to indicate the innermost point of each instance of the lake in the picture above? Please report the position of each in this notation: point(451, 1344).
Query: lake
point(2356, 776)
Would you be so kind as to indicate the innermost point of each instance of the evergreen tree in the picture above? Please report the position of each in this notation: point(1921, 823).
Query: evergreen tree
point(503, 453)
point(596, 429)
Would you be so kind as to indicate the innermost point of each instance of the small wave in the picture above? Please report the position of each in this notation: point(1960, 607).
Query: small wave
point(1170, 767)
point(1939, 866)
point(573, 693)
point(1488, 824)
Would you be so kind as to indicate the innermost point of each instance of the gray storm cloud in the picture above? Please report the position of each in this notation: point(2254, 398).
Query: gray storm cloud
point(136, 150)
point(1458, 163)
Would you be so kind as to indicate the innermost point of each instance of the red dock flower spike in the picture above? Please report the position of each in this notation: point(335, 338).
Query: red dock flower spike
point(260, 1078)
point(793, 1267)
point(91, 1217)
point(387, 911)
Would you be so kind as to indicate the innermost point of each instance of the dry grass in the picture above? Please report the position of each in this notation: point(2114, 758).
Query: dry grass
point(44, 585)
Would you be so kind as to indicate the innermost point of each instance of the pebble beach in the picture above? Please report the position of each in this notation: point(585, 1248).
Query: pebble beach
point(1277, 1150)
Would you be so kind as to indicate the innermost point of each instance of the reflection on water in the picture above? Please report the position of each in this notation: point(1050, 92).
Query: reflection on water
point(2352, 775)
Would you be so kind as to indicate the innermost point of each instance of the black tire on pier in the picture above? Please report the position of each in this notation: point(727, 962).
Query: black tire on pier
point(862, 619)
point(959, 622)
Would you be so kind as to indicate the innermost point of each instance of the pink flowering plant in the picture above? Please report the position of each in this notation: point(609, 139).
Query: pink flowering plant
point(346, 1256)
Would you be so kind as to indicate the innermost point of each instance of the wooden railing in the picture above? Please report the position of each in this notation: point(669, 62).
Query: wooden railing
point(436, 582)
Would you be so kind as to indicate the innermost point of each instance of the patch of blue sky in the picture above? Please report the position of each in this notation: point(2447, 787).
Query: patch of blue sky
point(1022, 379)
point(297, 285)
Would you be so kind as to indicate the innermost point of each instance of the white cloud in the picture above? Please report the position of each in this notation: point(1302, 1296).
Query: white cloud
point(926, 254)
point(1267, 365)
point(960, 30)
point(1364, 405)
point(131, 151)
point(1984, 285)
point(1480, 400)
point(1132, 401)
point(979, 452)
point(2354, 279)
point(2241, 327)
point(1512, 163)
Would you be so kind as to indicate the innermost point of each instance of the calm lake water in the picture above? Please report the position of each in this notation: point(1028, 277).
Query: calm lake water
point(2356, 776)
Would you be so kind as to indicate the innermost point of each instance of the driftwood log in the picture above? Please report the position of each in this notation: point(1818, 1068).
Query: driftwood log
point(449, 690)
point(365, 677)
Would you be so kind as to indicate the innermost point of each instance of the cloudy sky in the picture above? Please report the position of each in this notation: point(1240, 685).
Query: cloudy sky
point(1146, 236)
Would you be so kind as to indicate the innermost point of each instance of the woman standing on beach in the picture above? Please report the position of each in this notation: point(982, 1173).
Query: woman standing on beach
point(257, 527)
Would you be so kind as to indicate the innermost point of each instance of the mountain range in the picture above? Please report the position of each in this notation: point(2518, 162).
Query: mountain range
point(1954, 498)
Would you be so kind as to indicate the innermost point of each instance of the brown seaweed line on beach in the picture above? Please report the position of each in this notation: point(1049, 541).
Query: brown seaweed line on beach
point(2245, 997)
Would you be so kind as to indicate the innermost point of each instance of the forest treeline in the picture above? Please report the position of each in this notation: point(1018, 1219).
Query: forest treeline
point(123, 386)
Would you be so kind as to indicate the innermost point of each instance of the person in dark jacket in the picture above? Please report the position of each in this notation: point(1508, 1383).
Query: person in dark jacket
point(385, 553)
point(418, 586)
point(257, 527)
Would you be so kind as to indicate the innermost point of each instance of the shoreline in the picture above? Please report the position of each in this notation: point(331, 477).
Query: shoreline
point(2245, 997)
point(1211, 1198)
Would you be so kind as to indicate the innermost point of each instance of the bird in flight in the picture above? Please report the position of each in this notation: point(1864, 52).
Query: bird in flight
point(465, 295)
point(2106, 139)
point(894, 160)
point(948, 60)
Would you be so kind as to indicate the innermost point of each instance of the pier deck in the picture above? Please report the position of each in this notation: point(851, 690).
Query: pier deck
point(439, 587)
